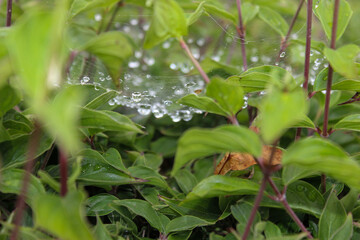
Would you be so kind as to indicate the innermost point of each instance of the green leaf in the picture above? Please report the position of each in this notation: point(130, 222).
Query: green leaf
point(99, 121)
point(218, 10)
point(145, 210)
point(112, 48)
point(249, 11)
point(100, 230)
point(323, 156)
point(324, 10)
point(339, 82)
point(274, 20)
point(98, 205)
point(299, 236)
point(185, 223)
point(95, 170)
point(351, 122)
point(203, 103)
point(280, 110)
point(179, 235)
point(197, 143)
point(342, 60)
point(14, 152)
point(259, 78)
point(61, 117)
point(272, 230)
point(332, 218)
point(229, 95)
point(150, 175)
point(193, 17)
point(219, 185)
point(16, 125)
point(66, 220)
point(113, 157)
point(241, 212)
point(186, 180)
point(292, 173)
point(345, 231)
point(12, 181)
point(8, 99)
point(168, 20)
point(350, 199)
point(79, 6)
point(101, 100)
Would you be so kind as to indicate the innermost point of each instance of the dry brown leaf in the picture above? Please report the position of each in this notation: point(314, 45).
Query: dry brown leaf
point(241, 161)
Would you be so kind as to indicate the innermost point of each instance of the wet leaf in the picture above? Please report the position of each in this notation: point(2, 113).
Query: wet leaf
point(185, 223)
point(98, 205)
point(203, 103)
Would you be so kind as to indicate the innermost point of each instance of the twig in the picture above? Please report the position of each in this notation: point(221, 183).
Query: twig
point(330, 73)
point(255, 207)
point(20, 202)
point(284, 42)
point(241, 32)
point(63, 172)
point(8, 13)
point(194, 61)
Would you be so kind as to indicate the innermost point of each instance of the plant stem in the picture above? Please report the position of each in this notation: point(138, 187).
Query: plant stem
point(8, 13)
point(307, 53)
point(119, 4)
point(308, 44)
point(63, 172)
point(281, 197)
point(20, 202)
point(330, 73)
point(241, 32)
point(284, 45)
point(194, 61)
point(255, 207)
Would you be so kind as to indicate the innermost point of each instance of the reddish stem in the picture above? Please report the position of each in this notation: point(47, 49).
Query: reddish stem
point(241, 32)
point(8, 13)
point(255, 207)
point(330, 73)
point(63, 172)
point(20, 202)
point(194, 61)
point(287, 37)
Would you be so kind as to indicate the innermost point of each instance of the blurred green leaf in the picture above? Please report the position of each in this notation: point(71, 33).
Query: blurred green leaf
point(323, 156)
point(99, 121)
point(203, 103)
point(219, 185)
point(168, 20)
point(324, 10)
point(342, 60)
point(63, 217)
point(241, 212)
point(144, 209)
point(332, 218)
point(339, 82)
point(186, 180)
point(197, 143)
point(98, 205)
point(350, 123)
point(101, 100)
point(228, 95)
point(112, 48)
point(79, 6)
point(180, 235)
point(249, 11)
point(274, 20)
point(280, 110)
point(185, 223)
point(346, 230)
point(194, 16)
point(350, 199)
point(218, 10)
point(100, 230)
point(8, 99)
point(292, 173)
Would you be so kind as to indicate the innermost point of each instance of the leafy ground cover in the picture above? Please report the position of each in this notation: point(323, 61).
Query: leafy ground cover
point(166, 119)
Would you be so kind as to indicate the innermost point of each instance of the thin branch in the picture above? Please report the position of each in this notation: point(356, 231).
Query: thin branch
point(20, 202)
point(307, 53)
point(194, 61)
point(119, 4)
point(63, 172)
point(241, 32)
point(8, 13)
point(255, 208)
point(284, 42)
point(330, 73)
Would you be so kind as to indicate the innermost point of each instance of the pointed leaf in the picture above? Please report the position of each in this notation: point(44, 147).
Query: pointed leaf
point(185, 223)
point(345, 231)
point(99, 205)
point(79, 6)
point(99, 101)
point(274, 20)
point(197, 143)
point(203, 103)
point(351, 122)
point(8, 99)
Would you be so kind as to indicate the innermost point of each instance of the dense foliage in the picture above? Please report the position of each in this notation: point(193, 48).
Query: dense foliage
point(179, 119)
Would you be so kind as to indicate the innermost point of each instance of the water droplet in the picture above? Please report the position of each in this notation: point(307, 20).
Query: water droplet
point(158, 110)
point(134, 64)
point(200, 42)
point(168, 103)
point(98, 17)
point(144, 109)
point(179, 91)
point(101, 79)
point(175, 117)
point(254, 58)
point(111, 102)
point(216, 58)
point(166, 45)
point(149, 61)
point(97, 86)
point(282, 54)
point(190, 41)
point(138, 54)
point(136, 96)
point(126, 29)
point(134, 21)
point(173, 66)
point(108, 78)
point(185, 115)
point(84, 80)
point(146, 27)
